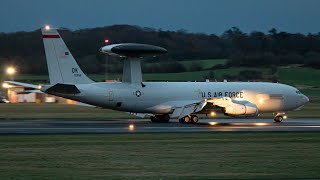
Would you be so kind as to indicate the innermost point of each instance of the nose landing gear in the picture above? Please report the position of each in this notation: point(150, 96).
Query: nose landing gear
point(279, 117)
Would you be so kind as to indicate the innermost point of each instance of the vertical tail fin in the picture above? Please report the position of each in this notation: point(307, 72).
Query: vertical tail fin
point(62, 66)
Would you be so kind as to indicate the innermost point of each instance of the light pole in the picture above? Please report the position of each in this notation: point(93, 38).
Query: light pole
point(106, 73)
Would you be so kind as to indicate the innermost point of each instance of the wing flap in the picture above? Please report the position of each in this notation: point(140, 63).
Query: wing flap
point(188, 109)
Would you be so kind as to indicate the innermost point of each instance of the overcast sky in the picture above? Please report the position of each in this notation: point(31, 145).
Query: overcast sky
point(204, 16)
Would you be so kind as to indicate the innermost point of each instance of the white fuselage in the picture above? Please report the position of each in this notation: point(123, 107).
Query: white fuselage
point(163, 97)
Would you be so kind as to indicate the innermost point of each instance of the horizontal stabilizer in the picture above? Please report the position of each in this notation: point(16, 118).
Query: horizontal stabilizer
point(29, 91)
point(23, 84)
point(63, 89)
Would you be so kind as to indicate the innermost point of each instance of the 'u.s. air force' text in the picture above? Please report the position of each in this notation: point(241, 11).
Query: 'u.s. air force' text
point(222, 94)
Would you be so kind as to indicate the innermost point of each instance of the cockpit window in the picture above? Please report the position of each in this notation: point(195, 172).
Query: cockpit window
point(298, 92)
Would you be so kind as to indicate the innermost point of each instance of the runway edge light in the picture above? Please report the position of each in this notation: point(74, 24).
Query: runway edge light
point(213, 123)
point(131, 127)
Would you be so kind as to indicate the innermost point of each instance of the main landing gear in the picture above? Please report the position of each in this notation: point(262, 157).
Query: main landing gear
point(193, 119)
point(279, 117)
point(189, 119)
point(160, 118)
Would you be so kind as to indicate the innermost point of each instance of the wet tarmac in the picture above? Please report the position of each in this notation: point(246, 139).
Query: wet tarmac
point(58, 126)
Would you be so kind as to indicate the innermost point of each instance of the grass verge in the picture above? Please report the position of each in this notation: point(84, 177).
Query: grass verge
point(161, 156)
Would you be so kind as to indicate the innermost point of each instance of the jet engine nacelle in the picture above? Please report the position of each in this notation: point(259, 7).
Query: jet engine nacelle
point(247, 109)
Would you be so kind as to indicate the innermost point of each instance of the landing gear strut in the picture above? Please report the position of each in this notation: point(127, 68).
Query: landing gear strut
point(189, 119)
point(160, 118)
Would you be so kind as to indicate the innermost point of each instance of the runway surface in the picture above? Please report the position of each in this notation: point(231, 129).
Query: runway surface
point(145, 126)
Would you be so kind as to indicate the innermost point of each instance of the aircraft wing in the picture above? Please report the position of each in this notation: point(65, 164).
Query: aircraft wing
point(179, 109)
point(226, 102)
point(187, 108)
point(221, 102)
point(235, 107)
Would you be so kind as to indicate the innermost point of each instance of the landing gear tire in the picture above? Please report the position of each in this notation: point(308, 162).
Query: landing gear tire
point(154, 119)
point(165, 118)
point(185, 119)
point(278, 119)
point(189, 119)
point(194, 119)
point(160, 118)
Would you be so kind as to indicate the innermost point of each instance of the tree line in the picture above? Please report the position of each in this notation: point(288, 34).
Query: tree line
point(25, 49)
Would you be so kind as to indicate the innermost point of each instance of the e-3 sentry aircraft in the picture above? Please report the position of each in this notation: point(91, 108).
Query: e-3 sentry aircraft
point(160, 100)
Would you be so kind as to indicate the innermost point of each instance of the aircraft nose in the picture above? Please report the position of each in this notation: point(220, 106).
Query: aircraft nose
point(305, 99)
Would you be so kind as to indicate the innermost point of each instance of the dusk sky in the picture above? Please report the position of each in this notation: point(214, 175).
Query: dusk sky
point(204, 16)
